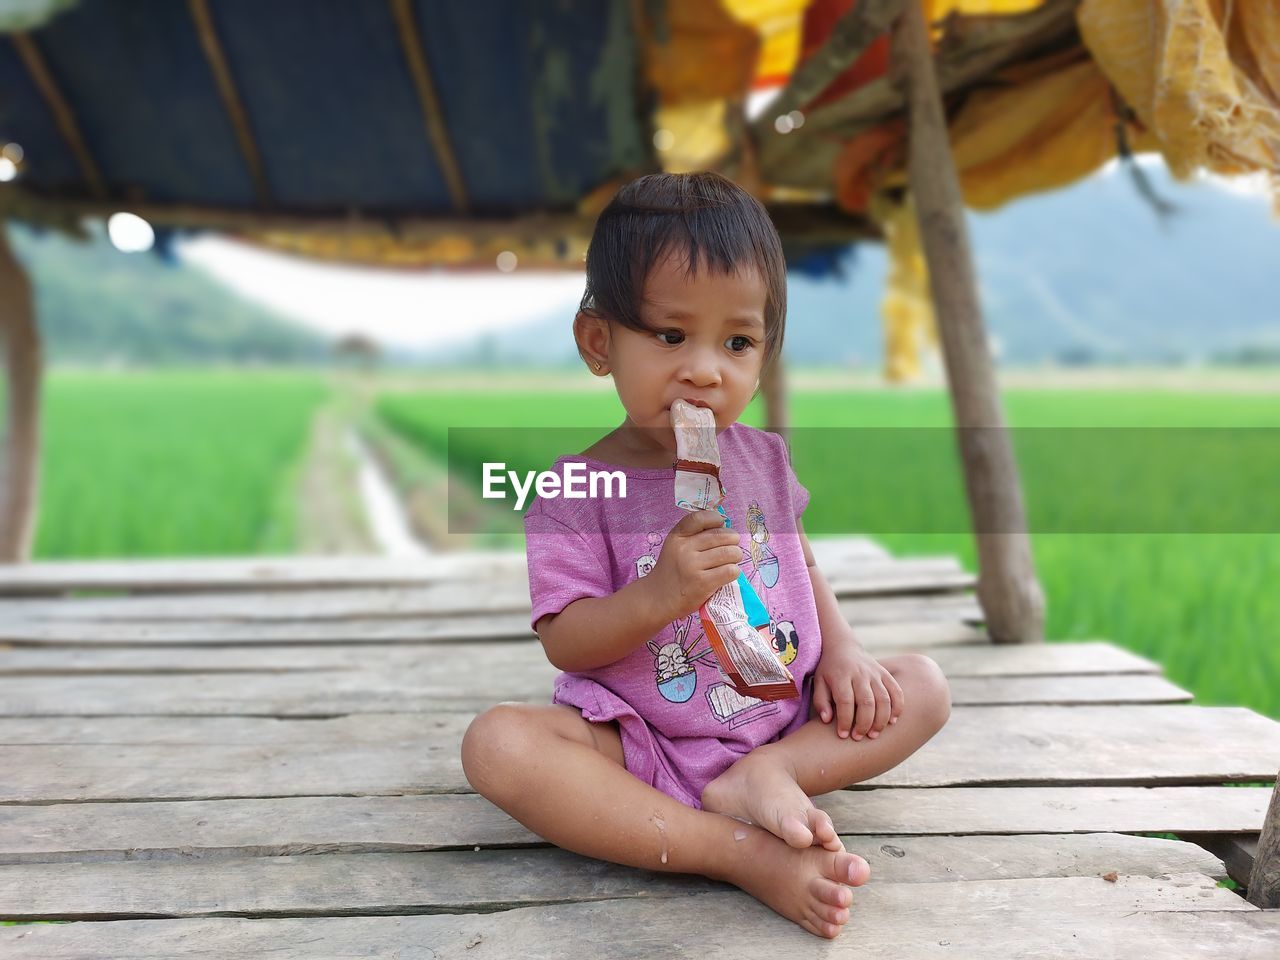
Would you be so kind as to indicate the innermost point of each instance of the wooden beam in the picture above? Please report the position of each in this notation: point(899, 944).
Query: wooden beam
point(852, 35)
point(803, 223)
point(18, 464)
point(978, 47)
point(774, 389)
point(1264, 880)
point(416, 56)
point(63, 116)
point(1008, 590)
point(230, 97)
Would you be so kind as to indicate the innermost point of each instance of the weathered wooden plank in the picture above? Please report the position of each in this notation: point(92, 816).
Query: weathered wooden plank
point(1140, 688)
point(1075, 918)
point(428, 688)
point(986, 659)
point(895, 633)
point(218, 633)
point(950, 607)
point(289, 826)
point(396, 883)
point(830, 550)
point(178, 758)
point(251, 573)
point(1044, 659)
point(293, 573)
point(431, 599)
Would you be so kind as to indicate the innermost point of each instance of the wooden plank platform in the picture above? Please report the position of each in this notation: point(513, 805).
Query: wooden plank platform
point(231, 757)
point(58, 578)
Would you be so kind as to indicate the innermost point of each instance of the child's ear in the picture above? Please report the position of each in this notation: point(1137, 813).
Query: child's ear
point(591, 332)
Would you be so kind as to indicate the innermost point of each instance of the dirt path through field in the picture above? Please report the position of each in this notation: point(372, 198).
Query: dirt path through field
point(331, 516)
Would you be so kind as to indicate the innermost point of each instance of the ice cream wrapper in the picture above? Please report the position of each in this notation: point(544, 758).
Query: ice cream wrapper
point(734, 619)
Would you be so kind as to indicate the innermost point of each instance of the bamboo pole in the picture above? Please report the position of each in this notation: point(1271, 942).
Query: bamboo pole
point(229, 94)
point(19, 460)
point(1264, 878)
point(812, 224)
point(849, 39)
point(415, 55)
point(774, 390)
point(1008, 590)
point(64, 117)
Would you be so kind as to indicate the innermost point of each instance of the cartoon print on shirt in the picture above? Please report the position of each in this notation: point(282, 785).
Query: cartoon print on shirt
point(785, 642)
point(765, 567)
point(764, 561)
point(674, 671)
point(677, 677)
point(645, 565)
point(675, 662)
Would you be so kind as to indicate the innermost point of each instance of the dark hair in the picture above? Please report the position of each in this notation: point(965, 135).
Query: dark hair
point(704, 215)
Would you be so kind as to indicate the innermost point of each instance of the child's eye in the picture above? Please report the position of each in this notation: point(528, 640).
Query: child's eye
point(669, 333)
point(746, 344)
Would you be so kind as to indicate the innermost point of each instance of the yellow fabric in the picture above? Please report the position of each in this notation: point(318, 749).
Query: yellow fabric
point(937, 9)
point(1204, 89)
point(1208, 89)
point(907, 307)
point(385, 250)
point(704, 55)
point(1050, 127)
point(779, 23)
point(690, 135)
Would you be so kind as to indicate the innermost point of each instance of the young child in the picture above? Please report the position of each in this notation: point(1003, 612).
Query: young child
point(647, 756)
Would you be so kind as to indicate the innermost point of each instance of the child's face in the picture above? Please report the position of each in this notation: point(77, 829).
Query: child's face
point(709, 347)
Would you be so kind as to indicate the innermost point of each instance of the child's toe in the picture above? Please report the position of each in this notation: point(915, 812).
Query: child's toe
point(794, 831)
point(824, 831)
point(848, 868)
point(832, 893)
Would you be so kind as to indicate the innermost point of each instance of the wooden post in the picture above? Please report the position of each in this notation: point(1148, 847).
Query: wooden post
point(1264, 879)
point(774, 390)
point(1008, 591)
point(18, 461)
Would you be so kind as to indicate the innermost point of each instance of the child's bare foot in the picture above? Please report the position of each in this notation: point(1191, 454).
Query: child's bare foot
point(761, 790)
point(807, 886)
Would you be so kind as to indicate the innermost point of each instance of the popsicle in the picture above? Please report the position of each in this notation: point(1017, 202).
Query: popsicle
point(735, 621)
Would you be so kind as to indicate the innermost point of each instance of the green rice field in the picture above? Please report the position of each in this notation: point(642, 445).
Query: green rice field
point(1154, 572)
point(187, 464)
point(155, 464)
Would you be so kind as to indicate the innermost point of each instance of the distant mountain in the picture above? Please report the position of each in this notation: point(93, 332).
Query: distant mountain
point(1088, 273)
point(96, 305)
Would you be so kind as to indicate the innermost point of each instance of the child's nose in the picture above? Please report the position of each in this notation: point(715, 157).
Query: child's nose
point(702, 369)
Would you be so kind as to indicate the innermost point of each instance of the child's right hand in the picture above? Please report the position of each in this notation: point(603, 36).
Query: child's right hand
point(699, 556)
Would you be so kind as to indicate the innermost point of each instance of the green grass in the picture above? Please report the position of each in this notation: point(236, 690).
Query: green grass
point(171, 463)
point(1202, 604)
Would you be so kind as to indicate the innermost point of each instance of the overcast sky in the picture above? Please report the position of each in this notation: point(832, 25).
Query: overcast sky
point(407, 308)
point(423, 308)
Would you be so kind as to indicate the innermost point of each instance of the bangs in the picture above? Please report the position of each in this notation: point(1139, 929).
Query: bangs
point(701, 220)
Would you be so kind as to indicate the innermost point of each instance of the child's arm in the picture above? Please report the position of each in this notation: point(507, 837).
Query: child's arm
point(595, 631)
point(849, 686)
point(832, 625)
point(698, 557)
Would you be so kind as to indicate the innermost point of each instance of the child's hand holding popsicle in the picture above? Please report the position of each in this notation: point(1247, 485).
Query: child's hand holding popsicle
point(699, 556)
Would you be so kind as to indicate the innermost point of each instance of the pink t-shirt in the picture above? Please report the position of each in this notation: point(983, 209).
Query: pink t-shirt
point(682, 723)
